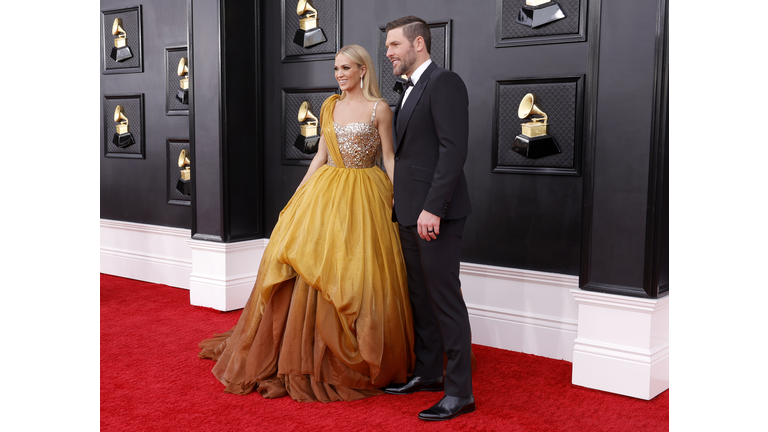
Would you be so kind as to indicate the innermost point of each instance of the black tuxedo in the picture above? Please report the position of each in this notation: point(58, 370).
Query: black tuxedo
point(430, 133)
point(430, 137)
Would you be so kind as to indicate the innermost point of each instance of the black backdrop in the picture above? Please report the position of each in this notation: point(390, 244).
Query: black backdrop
point(135, 190)
point(594, 222)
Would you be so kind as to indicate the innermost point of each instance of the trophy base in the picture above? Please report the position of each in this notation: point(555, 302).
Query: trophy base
point(537, 16)
point(184, 186)
point(121, 54)
point(182, 96)
point(309, 38)
point(123, 140)
point(308, 144)
point(534, 148)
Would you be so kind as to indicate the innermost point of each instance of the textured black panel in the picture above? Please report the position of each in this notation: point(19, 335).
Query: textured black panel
point(172, 105)
point(134, 191)
point(568, 29)
point(131, 18)
point(173, 148)
point(133, 107)
point(440, 53)
point(328, 13)
point(560, 100)
point(292, 100)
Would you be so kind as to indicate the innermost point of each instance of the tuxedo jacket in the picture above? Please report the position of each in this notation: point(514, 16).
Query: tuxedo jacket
point(430, 133)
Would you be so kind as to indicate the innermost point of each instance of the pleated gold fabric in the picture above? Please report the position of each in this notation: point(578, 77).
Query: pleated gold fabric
point(329, 317)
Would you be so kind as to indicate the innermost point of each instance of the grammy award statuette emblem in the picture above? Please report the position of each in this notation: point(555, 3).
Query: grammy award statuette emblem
point(121, 51)
point(182, 93)
point(308, 34)
point(308, 139)
point(122, 137)
point(184, 184)
point(534, 142)
point(536, 13)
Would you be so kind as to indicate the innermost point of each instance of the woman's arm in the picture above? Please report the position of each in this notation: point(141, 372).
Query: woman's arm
point(319, 160)
point(384, 125)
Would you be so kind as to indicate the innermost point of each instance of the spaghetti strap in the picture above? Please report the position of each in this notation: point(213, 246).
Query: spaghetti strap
point(373, 117)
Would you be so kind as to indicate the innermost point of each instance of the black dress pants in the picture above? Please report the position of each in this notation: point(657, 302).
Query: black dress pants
point(440, 318)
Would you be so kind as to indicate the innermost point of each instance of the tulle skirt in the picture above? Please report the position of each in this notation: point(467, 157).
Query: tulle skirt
point(329, 316)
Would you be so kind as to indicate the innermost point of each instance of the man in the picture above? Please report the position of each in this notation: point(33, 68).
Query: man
point(431, 204)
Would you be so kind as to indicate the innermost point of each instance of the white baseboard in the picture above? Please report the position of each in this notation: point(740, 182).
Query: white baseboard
point(521, 310)
point(518, 310)
point(148, 253)
point(224, 273)
point(623, 344)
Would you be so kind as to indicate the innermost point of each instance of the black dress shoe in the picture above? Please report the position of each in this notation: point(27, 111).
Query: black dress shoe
point(416, 384)
point(449, 407)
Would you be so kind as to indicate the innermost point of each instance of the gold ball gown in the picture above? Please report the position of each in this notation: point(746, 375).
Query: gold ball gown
point(329, 316)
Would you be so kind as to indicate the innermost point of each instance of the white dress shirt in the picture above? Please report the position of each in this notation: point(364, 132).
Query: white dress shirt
point(415, 78)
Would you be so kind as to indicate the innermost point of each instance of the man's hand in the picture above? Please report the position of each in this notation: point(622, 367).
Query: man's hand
point(428, 225)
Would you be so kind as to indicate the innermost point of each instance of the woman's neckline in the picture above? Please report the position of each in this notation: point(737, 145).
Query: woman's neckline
point(350, 123)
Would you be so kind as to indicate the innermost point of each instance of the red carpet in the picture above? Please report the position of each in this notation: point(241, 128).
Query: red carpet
point(151, 379)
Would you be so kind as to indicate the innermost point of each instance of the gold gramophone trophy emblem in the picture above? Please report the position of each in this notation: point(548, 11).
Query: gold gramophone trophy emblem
point(308, 139)
point(536, 13)
point(308, 34)
point(534, 142)
point(183, 185)
point(122, 137)
point(182, 94)
point(121, 51)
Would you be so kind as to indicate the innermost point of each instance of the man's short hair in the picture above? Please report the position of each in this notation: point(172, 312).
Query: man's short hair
point(413, 27)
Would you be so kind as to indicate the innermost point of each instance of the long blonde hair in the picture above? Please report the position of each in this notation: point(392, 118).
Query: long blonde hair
point(360, 56)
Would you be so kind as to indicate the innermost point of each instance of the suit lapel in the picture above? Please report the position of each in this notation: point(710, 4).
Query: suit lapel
point(403, 116)
point(394, 120)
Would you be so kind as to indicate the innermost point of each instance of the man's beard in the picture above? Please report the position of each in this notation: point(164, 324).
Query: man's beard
point(406, 62)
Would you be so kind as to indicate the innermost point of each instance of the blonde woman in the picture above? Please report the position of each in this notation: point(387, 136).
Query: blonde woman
point(329, 317)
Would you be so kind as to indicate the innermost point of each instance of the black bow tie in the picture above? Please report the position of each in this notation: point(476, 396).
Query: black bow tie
point(402, 84)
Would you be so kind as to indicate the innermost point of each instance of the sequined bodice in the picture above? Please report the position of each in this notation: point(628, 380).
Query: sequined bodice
point(358, 143)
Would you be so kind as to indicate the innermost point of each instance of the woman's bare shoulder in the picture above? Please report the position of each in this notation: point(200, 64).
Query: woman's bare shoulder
point(383, 111)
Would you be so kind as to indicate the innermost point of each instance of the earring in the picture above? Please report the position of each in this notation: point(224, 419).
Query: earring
point(361, 82)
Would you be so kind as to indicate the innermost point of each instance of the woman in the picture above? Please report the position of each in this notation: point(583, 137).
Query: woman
point(329, 317)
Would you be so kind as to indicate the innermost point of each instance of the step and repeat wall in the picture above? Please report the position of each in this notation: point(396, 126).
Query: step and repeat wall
point(534, 71)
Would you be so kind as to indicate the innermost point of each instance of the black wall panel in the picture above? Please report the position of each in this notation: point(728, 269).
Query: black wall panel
point(134, 190)
point(622, 149)
point(571, 28)
point(174, 148)
point(328, 14)
point(626, 228)
point(225, 132)
point(205, 105)
point(131, 19)
point(241, 150)
point(292, 100)
point(174, 106)
point(561, 99)
point(132, 107)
